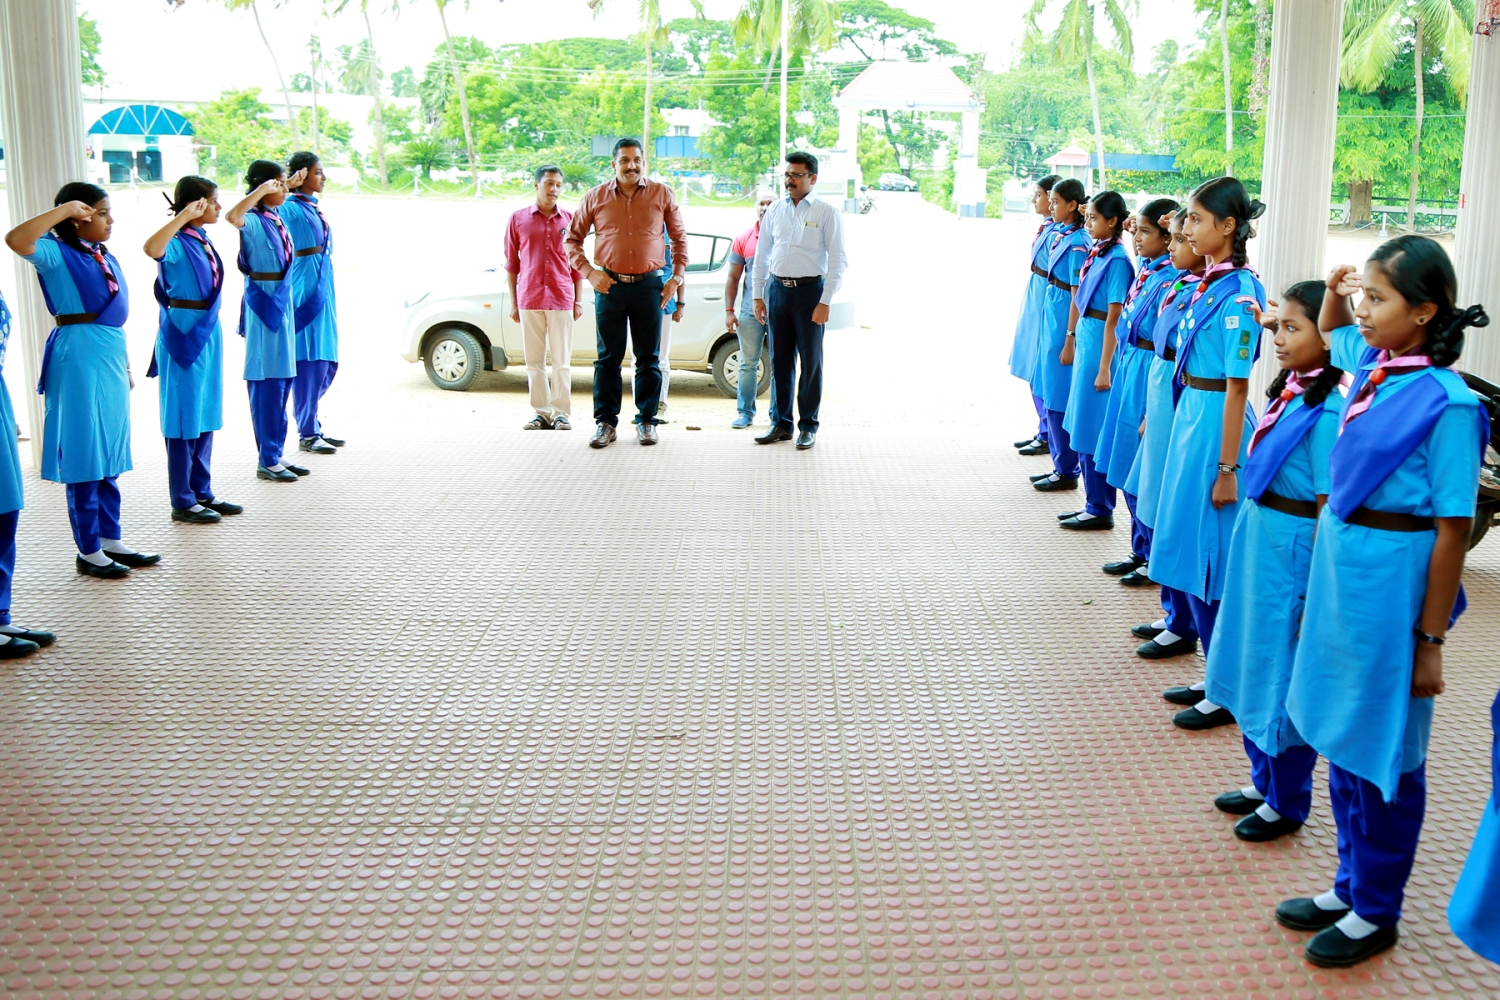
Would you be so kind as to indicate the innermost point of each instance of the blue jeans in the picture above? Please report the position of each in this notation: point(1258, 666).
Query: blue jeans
point(752, 334)
point(635, 308)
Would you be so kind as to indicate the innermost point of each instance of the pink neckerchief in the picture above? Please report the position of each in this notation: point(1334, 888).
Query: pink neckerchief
point(1296, 385)
point(1146, 272)
point(1177, 286)
point(193, 232)
point(1209, 277)
point(98, 250)
point(1099, 247)
point(1385, 364)
point(286, 237)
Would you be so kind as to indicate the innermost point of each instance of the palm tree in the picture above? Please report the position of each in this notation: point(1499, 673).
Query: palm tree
point(426, 155)
point(653, 33)
point(1228, 88)
point(782, 27)
point(463, 99)
point(291, 119)
point(1374, 31)
point(372, 81)
point(315, 62)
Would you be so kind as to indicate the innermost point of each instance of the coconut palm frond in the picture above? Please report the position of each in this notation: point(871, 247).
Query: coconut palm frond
point(1373, 31)
point(1119, 15)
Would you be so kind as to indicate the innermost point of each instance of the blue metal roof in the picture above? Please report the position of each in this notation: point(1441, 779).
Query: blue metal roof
point(1136, 161)
point(141, 119)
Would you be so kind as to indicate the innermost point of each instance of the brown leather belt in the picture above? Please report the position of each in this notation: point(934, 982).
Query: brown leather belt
point(73, 319)
point(1296, 508)
point(807, 279)
point(1205, 384)
point(1385, 520)
point(1059, 284)
point(1038, 271)
point(310, 252)
point(631, 279)
point(1169, 353)
point(1096, 314)
point(266, 275)
point(1145, 345)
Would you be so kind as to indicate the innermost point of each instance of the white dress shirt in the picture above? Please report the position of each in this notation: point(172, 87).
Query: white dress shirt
point(799, 240)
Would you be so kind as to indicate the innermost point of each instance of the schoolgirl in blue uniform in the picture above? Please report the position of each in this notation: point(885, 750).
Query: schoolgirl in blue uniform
point(1286, 481)
point(1216, 348)
point(1472, 912)
point(1070, 248)
point(15, 641)
point(189, 352)
point(1103, 283)
point(1120, 434)
point(266, 314)
point(1024, 347)
point(85, 376)
point(314, 309)
point(1384, 584)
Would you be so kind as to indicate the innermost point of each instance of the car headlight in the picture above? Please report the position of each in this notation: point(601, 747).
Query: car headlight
point(411, 302)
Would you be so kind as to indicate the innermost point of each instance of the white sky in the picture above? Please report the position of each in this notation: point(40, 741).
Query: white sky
point(140, 35)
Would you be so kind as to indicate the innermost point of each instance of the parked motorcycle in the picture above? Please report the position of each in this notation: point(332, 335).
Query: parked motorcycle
point(866, 201)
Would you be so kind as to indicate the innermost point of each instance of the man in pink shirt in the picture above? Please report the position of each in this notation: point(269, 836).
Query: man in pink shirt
point(547, 302)
point(751, 331)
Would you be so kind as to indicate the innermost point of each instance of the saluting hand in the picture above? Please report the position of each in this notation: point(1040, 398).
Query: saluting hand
point(271, 186)
point(1344, 280)
point(295, 181)
point(1265, 318)
point(79, 210)
point(193, 210)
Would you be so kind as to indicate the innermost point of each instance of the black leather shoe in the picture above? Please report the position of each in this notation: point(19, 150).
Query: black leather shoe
point(1050, 485)
point(135, 560)
point(1124, 566)
point(1153, 650)
point(1137, 578)
point(1302, 914)
point(33, 635)
point(316, 445)
point(1257, 831)
point(806, 440)
point(109, 571)
point(1040, 476)
point(1036, 448)
point(296, 470)
point(15, 647)
point(1236, 803)
point(223, 507)
point(1028, 442)
point(1146, 631)
point(336, 442)
point(774, 435)
point(283, 476)
point(1067, 513)
point(1333, 949)
point(1091, 524)
point(1191, 718)
point(1187, 696)
point(204, 516)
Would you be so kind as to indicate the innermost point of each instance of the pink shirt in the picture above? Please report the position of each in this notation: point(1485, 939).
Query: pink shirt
point(535, 254)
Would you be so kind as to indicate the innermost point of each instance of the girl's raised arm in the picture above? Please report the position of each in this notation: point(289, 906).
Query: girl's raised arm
point(236, 215)
point(22, 239)
point(1343, 281)
point(156, 246)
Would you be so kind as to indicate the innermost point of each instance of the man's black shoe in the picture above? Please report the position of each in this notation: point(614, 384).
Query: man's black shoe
point(14, 647)
point(1236, 803)
point(1333, 949)
point(1302, 914)
point(1124, 566)
point(806, 440)
point(296, 470)
point(1087, 524)
point(1147, 631)
point(1137, 578)
point(1257, 831)
point(1050, 485)
point(1153, 650)
point(224, 507)
point(774, 435)
point(1191, 718)
point(336, 442)
point(109, 571)
point(1036, 448)
point(1188, 696)
point(204, 516)
point(135, 560)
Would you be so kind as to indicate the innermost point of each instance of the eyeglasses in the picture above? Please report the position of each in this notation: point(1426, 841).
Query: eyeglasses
point(793, 175)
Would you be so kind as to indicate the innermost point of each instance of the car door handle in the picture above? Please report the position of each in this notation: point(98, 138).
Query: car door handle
point(712, 296)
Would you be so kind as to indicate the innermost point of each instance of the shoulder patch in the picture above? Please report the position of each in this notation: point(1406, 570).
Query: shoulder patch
point(1244, 353)
point(1231, 322)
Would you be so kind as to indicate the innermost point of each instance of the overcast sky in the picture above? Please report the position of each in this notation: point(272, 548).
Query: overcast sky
point(222, 50)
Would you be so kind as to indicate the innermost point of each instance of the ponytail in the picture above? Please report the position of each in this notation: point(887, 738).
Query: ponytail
point(1109, 205)
point(1445, 342)
point(1071, 189)
point(1226, 198)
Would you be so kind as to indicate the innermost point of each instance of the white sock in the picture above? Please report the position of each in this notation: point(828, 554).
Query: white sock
point(1165, 638)
point(1084, 515)
point(1206, 707)
point(1054, 477)
point(97, 558)
point(1355, 927)
point(1160, 623)
point(1266, 813)
point(1330, 901)
point(278, 467)
point(195, 508)
point(115, 545)
point(1200, 686)
point(11, 629)
point(1252, 793)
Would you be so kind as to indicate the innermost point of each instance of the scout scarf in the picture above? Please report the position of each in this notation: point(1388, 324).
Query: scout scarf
point(1278, 433)
point(270, 308)
point(94, 271)
point(312, 307)
point(184, 331)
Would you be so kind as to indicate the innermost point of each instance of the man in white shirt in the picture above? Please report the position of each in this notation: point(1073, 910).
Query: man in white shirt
point(799, 264)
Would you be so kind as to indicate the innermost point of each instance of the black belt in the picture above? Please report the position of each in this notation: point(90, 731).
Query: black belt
point(265, 275)
point(1385, 520)
point(1145, 345)
point(186, 304)
point(73, 319)
point(1096, 314)
point(811, 279)
point(1059, 284)
point(1205, 384)
point(1038, 271)
point(1169, 353)
point(630, 279)
point(1296, 508)
point(310, 252)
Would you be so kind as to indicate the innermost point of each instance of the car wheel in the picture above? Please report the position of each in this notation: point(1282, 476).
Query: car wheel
point(454, 359)
point(725, 368)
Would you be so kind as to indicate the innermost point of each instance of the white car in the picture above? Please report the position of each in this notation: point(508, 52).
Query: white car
point(465, 327)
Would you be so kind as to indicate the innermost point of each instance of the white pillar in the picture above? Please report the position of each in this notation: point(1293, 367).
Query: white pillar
point(1301, 123)
point(848, 129)
point(1479, 207)
point(43, 106)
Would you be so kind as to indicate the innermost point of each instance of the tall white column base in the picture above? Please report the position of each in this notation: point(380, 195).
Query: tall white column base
point(1475, 257)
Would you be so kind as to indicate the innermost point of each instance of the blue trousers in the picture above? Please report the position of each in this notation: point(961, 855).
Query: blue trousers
point(752, 337)
point(1042, 431)
point(313, 379)
point(268, 416)
point(8, 522)
point(1377, 841)
point(1064, 458)
point(1178, 612)
point(187, 470)
point(94, 510)
point(633, 310)
point(1284, 779)
point(1140, 533)
point(1205, 613)
point(1098, 495)
point(796, 341)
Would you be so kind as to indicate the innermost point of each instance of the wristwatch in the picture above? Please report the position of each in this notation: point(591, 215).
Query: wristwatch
point(1431, 640)
point(1227, 470)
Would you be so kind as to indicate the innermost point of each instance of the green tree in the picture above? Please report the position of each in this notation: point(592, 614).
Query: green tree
point(371, 78)
point(233, 130)
point(427, 155)
point(254, 9)
point(397, 122)
point(404, 82)
point(436, 88)
point(875, 153)
point(335, 136)
point(745, 143)
point(1196, 134)
point(359, 69)
point(875, 29)
point(809, 26)
point(89, 42)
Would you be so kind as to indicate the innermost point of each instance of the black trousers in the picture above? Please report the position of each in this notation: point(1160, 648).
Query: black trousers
point(795, 337)
point(636, 307)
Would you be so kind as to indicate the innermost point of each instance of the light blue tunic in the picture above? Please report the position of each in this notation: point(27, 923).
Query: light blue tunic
point(1069, 252)
point(1023, 349)
point(1120, 436)
point(319, 339)
point(192, 398)
point(1192, 537)
point(1086, 404)
point(1265, 585)
point(86, 431)
point(1144, 480)
point(12, 497)
point(269, 353)
point(1365, 593)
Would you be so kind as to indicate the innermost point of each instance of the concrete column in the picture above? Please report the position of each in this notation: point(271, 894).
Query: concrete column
point(849, 129)
point(41, 97)
point(1479, 207)
point(1301, 123)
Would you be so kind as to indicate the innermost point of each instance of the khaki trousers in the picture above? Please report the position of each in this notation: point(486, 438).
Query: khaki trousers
point(544, 330)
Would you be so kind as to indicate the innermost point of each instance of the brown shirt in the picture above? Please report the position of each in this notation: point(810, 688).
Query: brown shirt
point(628, 230)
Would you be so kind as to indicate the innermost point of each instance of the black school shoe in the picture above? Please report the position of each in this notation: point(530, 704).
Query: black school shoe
point(204, 516)
point(1333, 949)
point(1050, 485)
point(1035, 448)
point(1137, 578)
point(1236, 803)
point(1188, 696)
point(223, 507)
point(1124, 566)
point(1257, 831)
point(316, 445)
point(135, 560)
point(1153, 650)
point(296, 470)
point(1146, 631)
point(283, 475)
point(15, 647)
point(336, 442)
point(109, 571)
point(33, 635)
point(1028, 442)
point(1191, 718)
point(1302, 914)
point(1091, 524)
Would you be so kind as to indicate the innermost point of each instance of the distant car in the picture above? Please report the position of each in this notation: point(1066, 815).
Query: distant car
point(464, 327)
point(896, 182)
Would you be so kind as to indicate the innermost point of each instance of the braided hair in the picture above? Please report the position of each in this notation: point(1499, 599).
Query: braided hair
point(1226, 198)
point(1309, 297)
point(189, 189)
point(1071, 189)
point(89, 194)
point(1419, 269)
point(1109, 205)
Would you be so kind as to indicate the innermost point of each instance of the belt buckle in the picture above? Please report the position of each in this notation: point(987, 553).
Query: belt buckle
point(787, 282)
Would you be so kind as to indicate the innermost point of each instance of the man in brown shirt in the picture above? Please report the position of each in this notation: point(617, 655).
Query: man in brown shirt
point(628, 216)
